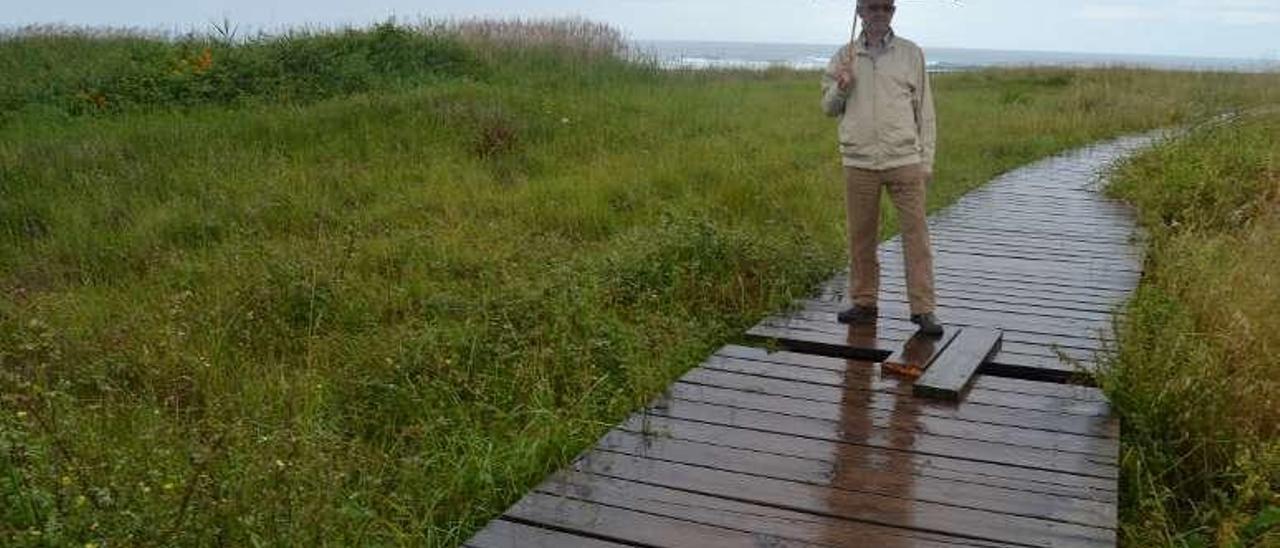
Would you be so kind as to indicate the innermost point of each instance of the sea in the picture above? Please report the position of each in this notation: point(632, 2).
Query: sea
point(714, 55)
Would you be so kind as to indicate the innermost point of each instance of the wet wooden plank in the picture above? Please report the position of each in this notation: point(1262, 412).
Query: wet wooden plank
point(1088, 275)
point(984, 382)
point(874, 434)
point(949, 376)
point(1000, 293)
point(849, 472)
point(656, 428)
point(917, 352)
point(926, 416)
point(864, 376)
point(1055, 260)
point(989, 390)
point(957, 266)
point(628, 526)
point(1005, 363)
point(1041, 208)
point(907, 416)
point(987, 407)
point(893, 332)
point(1019, 386)
point(1057, 229)
point(1030, 361)
point(996, 280)
point(985, 410)
point(507, 534)
point(1030, 270)
point(963, 297)
point(958, 226)
point(1015, 216)
point(822, 316)
point(859, 469)
point(865, 507)
point(858, 374)
point(770, 524)
point(958, 244)
point(1060, 259)
point(1086, 210)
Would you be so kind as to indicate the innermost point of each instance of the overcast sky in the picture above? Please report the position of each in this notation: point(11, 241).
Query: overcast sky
point(1215, 28)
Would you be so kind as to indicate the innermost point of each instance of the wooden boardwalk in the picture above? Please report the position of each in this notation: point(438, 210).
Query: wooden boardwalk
point(815, 446)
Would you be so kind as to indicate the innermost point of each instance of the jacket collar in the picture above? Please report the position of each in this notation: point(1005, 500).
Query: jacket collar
point(885, 45)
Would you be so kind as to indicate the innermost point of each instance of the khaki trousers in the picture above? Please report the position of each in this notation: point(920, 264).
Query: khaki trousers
point(862, 211)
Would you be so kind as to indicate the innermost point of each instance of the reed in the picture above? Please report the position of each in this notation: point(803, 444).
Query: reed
point(578, 37)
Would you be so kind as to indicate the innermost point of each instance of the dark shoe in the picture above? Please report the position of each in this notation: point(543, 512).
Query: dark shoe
point(859, 314)
point(928, 324)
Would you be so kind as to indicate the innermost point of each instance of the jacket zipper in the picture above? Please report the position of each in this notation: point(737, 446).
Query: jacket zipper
point(875, 114)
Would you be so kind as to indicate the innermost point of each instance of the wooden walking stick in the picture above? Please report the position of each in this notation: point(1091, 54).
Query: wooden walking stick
point(849, 55)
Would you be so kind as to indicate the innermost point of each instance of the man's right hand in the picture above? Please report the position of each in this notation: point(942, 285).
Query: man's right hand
point(844, 79)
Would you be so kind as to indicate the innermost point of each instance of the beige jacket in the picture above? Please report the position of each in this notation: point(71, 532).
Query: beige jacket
point(887, 117)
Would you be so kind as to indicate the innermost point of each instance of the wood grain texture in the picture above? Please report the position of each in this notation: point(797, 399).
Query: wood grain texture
point(949, 376)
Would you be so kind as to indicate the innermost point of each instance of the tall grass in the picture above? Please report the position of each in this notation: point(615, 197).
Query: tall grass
point(380, 314)
point(1197, 378)
point(571, 37)
point(85, 71)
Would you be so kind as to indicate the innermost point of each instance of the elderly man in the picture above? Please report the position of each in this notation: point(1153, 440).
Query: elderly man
point(878, 87)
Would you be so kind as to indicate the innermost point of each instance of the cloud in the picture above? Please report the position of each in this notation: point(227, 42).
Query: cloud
point(1225, 12)
point(1111, 12)
point(1248, 17)
point(1233, 12)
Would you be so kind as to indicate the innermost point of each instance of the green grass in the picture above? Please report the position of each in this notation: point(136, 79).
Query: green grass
point(85, 72)
point(1197, 378)
point(378, 315)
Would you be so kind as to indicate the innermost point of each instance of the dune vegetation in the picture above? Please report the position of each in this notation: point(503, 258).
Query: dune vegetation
point(367, 286)
point(1197, 375)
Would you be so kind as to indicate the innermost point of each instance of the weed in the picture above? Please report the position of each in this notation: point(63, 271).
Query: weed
point(1195, 378)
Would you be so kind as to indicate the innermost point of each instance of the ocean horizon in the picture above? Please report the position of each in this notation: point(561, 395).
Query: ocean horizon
point(687, 54)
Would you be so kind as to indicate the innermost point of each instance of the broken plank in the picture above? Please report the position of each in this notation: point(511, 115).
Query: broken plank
point(952, 372)
point(917, 353)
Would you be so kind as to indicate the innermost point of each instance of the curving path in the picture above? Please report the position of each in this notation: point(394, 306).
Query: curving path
point(814, 446)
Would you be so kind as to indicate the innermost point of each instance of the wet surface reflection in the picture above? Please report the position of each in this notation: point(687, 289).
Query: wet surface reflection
point(857, 467)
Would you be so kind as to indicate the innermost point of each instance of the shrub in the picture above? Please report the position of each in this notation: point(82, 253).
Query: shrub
point(147, 71)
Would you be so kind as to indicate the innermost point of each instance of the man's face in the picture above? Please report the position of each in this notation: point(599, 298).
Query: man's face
point(876, 14)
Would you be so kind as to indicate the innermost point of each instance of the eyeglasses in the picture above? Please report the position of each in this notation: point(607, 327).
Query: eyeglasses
point(880, 8)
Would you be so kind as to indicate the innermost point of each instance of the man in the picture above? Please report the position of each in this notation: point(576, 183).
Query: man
point(878, 87)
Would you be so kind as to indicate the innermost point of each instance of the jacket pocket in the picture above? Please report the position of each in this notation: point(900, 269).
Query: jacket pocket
point(903, 119)
point(900, 136)
point(855, 135)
